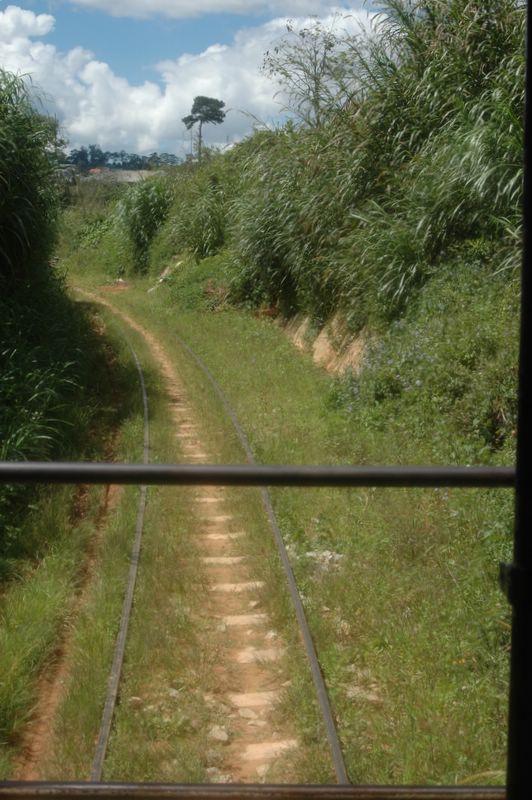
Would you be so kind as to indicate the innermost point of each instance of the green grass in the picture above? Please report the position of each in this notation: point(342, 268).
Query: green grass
point(45, 533)
point(29, 201)
point(34, 612)
point(416, 573)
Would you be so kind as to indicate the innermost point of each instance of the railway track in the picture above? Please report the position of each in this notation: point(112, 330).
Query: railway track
point(252, 687)
point(127, 606)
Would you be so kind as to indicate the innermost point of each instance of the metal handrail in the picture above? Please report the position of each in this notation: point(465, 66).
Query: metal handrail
point(258, 475)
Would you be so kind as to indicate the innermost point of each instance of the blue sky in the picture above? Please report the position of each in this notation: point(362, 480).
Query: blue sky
point(122, 73)
point(132, 45)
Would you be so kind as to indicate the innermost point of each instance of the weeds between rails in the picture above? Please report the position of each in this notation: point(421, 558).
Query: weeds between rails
point(306, 637)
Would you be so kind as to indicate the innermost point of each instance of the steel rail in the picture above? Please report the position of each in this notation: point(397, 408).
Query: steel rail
point(258, 475)
point(120, 644)
point(304, 628)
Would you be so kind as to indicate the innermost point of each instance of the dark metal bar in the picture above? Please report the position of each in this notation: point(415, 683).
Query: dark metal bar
point(519, 574)
point(102, 791)
point(257, 475)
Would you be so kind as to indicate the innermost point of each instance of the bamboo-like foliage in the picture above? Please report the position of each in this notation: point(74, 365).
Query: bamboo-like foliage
point(199, 217)
point(28, 195)
point(140, 213)
point(427, 153)
point(44, 340)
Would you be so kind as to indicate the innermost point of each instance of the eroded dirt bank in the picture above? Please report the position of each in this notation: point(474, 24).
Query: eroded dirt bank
point(334, 348)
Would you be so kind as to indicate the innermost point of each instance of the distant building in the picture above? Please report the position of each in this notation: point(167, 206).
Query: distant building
point(120, 175)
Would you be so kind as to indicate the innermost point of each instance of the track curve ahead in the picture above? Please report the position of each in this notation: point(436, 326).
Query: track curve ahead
point(306, 636)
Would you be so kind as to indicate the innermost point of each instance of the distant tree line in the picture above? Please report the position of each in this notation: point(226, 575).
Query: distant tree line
point(92, 157)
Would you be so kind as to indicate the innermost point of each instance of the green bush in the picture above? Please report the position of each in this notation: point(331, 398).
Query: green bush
point(197, 222)
point(140, 213)
point(443, 371)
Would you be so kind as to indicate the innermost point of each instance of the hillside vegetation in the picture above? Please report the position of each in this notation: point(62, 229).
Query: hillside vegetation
point(395, 202)
point(54, 384)
point(416, 159)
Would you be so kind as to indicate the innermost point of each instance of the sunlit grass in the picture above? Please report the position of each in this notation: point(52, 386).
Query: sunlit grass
point(389, 578)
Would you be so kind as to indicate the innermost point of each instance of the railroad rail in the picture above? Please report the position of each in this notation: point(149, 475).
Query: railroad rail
point(127, 606)
point(306, 636)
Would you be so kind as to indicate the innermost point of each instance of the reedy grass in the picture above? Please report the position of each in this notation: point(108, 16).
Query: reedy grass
point(140, 213)
point(28, 197)
point(42, 369)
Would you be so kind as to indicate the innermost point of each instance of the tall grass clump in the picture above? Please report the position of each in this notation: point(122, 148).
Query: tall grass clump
point(28, 193)
point(48, 355)
point(198, 220)
point(448, 159)
point(140, 213)
point(285, 222)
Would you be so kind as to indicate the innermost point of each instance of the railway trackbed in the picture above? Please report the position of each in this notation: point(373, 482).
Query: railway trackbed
point(250, 679)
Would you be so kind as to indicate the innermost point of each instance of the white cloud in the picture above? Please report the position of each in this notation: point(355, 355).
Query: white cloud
point(94, 105)
point(196, 8)
point(15, 23)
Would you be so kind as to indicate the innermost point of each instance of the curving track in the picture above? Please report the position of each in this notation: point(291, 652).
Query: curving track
point(251, 683)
